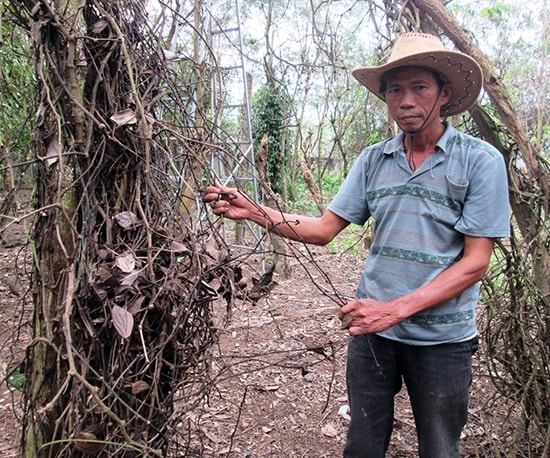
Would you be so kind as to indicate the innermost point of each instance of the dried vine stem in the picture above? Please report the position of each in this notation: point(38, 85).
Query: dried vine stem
point(127, 269)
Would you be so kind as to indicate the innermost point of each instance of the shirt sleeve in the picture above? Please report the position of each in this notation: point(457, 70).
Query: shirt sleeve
point(486, 210)
point(350, 201)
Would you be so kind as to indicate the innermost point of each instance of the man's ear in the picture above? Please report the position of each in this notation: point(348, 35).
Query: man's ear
point(446, 93)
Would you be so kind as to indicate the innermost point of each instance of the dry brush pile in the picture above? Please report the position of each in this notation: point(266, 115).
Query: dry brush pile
point(516, 294)
point(127, 266)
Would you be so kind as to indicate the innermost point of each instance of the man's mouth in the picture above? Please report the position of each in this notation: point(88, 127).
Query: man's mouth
point(409, 118)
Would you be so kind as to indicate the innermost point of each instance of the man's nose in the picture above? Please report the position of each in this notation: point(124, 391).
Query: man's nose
point(407, 99)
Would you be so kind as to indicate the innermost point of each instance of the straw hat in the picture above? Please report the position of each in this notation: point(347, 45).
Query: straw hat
point(427, 51)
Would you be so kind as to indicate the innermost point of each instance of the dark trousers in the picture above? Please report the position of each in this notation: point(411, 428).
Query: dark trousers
point(437, 378)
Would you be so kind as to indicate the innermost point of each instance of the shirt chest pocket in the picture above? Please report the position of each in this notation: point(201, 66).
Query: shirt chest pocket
point(456, 176)
point(449, 211)
point(458, 188)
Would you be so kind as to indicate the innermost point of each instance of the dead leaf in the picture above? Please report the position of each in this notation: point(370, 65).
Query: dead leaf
point(135, 306)
point(215, 284)
point(214, 252)
point(130, 279)
point(99, 26)
point(214, 438)
point(54, 151)
point(103, 254)
point(127, 220)
point(126, 262)
point(329, 430)
point(178, 247)
point(139, 387)
point(170, 56)
point(88, 443)
point(124, 117)
point(123, 321)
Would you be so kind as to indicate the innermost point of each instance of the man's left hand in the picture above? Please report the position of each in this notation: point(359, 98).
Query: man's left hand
point(367, 316)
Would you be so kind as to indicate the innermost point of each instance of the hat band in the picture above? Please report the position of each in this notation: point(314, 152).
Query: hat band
point(450, 69)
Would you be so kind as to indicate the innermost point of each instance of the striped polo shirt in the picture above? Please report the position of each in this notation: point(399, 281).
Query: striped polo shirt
point(421, 219)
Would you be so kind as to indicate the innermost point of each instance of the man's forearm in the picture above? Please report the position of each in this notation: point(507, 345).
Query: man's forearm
point(307, 229)
point(450, 283)
point(442, 289)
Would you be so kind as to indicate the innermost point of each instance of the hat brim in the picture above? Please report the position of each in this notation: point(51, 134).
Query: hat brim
point(460, 70)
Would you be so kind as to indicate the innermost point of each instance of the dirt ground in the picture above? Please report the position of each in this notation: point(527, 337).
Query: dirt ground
point(279, 369)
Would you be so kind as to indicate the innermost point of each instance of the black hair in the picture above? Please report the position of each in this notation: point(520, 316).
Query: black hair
point(439, 78)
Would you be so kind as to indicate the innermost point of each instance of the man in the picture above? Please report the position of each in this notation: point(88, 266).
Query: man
point(439, 199)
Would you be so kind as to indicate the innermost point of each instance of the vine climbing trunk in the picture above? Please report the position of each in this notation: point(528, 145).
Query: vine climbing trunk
point(61, 130)
point(281, 253)
point(123, 284)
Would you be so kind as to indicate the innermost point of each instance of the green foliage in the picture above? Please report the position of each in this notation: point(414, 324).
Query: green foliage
point(16, 380)
point(331, 183)
point(17, 86)
point(269, 108)
point(514, 36)
point(544, 145)
point(496, 13)
point(353, 239)
point(376, 136)
point(348, 241)
point(302, 201)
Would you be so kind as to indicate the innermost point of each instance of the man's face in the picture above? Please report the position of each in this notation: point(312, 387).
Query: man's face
point(414, 98)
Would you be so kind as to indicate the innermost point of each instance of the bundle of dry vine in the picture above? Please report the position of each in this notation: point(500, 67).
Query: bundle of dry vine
point(127, 270)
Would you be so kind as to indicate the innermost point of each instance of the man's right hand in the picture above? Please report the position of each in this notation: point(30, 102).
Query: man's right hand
point(228, 202)
point(234, 204)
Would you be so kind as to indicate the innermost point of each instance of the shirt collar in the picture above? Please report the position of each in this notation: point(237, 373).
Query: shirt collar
point(396, 143)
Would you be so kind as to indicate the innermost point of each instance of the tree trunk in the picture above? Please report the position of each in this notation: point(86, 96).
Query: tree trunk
point(55, 239)
point(308, 175)
point(123, 285)
point(281, 254)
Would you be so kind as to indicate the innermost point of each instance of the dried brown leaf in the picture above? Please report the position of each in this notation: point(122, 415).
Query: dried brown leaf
point(54, 151)
point(139, 387)
point(169, 55)
point(130, 279)
point(99, 26)
point(124, 117)
point(88, 443)
point(126, 262)
point(127, 220)
point(123, 321)
point(135, 306)
point(178, 247)
point(211, 248)
point(329, 430)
